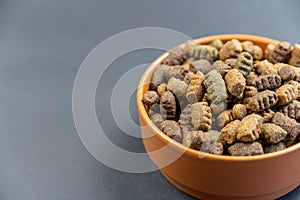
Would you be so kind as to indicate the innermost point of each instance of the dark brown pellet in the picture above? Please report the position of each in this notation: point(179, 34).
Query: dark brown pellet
point(201, 65)
point(262, 101)
point(168, 105)
point(291, 126)
point(221, 67)
point(275, 147)
point(266, 82)
point(172, 129)
point(292, 110)
point(246, 149)
point(280, 53)
point(175, 57)
point(159, 76)
point(150, 98)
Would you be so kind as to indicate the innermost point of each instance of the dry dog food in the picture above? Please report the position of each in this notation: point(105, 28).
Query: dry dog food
point(228, 97)
point(235, 82)
point(196, 89)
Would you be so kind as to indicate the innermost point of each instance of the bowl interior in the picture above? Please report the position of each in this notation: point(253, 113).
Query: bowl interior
point(144, 87)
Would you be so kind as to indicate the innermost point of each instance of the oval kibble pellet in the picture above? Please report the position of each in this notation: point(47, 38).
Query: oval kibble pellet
point(235, 82)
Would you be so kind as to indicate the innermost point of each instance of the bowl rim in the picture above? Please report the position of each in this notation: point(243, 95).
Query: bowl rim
point(189, 151)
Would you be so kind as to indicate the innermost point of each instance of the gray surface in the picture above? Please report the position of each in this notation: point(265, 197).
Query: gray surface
point(42, 44)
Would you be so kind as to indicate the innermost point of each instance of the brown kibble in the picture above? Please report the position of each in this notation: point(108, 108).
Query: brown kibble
point(187, 48)
point(292, 110)
point(196, 88)
point(172, 129)
point(222, 141)
point(265, 82)
point(235, 82)
point(161, 88)
point(229, 132)
point(267, 114)
point(218, 108)
point(157, 119)
point(224, 118)
point(200, 141)
point(246, 149)
point(159, 76)
point(200, 65)
point(177, 71)
point(295, 56)
point(258, 53)
point(291, 126)
point(278, 66)
point(269, 49)
point(250, 128)
point(231, 100)
point(239, 111)
point(150, 98)
point(221, 67)
point(185, 116)
point(216, 148)
point(167, 105)
point(201, 116)
point(262, 101)
point(175, 57)
point(272, 133)
point(214, 135)
point(250, 91)
point(177, 87)
point(203, 141)
point(231, 49)
point(206, 98)
point(153, 109)
point(248, 46)
point(215, 87)
point(230, 62)
point(188, 76)
point(264, 68)
point(186, 136)
point(275, 147)
point(288, 72)
point(280, 53)
point(244, 63)
point(217, 44)
point(288, 92)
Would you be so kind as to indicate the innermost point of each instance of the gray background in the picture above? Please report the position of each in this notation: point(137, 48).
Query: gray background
point(42, 44)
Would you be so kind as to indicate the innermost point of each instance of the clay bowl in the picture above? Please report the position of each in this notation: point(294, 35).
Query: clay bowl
point(208, 176)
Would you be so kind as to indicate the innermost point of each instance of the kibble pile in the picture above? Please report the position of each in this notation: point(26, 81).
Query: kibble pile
point(228, 99)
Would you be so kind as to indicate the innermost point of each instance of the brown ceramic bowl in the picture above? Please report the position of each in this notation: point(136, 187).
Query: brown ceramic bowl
point(208, 176)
